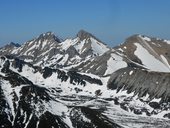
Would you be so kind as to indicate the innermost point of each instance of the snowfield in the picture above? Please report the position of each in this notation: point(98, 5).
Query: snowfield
point(150, 61)
point(115, 63)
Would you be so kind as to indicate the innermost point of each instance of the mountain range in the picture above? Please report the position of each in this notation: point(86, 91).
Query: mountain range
point(49, 82)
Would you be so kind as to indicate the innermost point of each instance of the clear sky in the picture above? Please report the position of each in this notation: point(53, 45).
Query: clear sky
point(112, 21)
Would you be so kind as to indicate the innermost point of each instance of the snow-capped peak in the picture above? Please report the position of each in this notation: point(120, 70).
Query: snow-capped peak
point(85, 44)
point(48, 36)
point(88, 43)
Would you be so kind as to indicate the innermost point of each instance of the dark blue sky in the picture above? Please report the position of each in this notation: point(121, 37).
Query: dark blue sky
point(109, 20)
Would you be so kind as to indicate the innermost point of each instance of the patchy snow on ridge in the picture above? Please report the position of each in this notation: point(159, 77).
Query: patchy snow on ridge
point(64, 60)
point(150, 61)
point(146, 38)
point(167, 41)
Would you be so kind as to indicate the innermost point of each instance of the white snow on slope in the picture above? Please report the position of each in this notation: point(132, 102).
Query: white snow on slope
point(131, 72)
point(1, 65)
point(44, 44)
point(8, 93)
point(73, 42)
point(150, 61)
point(66, 44)
point(165, 60)
point(151, 50)
point(167, 41)
point(64, 60)
point(115, 63)
point(79, 46)
point(98, 48)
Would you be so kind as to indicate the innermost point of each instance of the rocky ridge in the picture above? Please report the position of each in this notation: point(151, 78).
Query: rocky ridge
point(80, 82)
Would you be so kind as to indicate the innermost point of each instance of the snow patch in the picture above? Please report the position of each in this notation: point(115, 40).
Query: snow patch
point(167, 41)
point(165, 60)
point(97, 47)
point(146, 38)
point(28, 60)
point(66, 44)
point(115, 63)
point(131, 72)
point(64, 60)
point(79, 46)
point(8, 92)
point(149, 61)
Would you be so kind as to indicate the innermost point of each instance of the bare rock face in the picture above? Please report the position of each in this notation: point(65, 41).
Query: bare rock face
point(142, 82)
point(82, 34)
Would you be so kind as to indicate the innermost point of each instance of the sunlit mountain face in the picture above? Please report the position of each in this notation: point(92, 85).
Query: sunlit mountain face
point(49, 82)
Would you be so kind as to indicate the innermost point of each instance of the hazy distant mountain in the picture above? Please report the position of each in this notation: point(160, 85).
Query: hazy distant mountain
point(48, 82)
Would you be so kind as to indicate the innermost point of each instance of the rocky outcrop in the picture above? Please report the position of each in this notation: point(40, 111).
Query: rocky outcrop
point(142, 82)
point(90, 118)
point(75, 78)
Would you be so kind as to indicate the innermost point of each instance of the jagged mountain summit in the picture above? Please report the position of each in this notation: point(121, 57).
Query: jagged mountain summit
point(151, 54)
point(47, 49)
point(48, 82)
